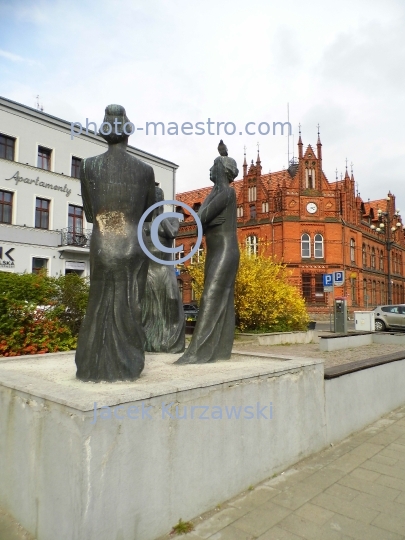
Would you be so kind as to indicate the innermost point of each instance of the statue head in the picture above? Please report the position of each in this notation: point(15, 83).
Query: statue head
point(224, 165)
point(108, 133)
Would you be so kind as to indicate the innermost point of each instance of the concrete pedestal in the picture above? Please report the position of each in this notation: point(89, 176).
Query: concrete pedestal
point(135, 472)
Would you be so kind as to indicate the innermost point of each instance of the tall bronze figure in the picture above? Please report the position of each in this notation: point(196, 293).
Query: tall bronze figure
point(162, 307)
point(214, 331)
point(117, 188)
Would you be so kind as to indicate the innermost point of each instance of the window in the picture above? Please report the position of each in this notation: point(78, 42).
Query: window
point(42, 213)
point(352, 250)
point(312, 288)
point(252, 245)
point(239, 211)
point(381, 260)
point(305, 246)
point(306, 287)
point(252, 193)
point(75, 226)
point(353, 291)
point(7, 145)
point(252, 210)
point(44, 158)
point(373, 294)
point(75, 167)
point(6, 206)
point(310, 178)
point(39, 265)
point(382, 293)
point(181, 254)
point(365, 296)
point(372, 257)
point(318, 246)
point(363, 254)
point(368, 259)
point(265, 207)
point(180, 285)
point(196, 206)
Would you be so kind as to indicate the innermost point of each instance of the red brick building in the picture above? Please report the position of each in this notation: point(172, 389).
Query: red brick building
point(315, 227)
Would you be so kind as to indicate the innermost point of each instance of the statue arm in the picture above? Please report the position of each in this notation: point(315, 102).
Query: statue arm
point(169, 227)
point(85, 187)
point(214, 207)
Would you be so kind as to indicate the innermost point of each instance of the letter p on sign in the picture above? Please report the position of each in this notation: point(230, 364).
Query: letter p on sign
point(339, 278)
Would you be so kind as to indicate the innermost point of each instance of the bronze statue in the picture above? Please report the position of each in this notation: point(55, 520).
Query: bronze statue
point(117, 188)
point(214, 331)
point(162, 308)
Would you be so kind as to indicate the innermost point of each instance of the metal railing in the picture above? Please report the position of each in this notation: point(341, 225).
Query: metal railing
point(77, 238)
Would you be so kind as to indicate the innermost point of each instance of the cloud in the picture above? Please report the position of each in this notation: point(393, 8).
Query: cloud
point(16, 58)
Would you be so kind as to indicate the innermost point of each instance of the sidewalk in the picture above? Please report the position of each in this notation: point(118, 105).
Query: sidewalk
point(355, 490)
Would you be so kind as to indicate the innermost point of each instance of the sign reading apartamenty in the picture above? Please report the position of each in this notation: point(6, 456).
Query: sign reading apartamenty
point(19, 179)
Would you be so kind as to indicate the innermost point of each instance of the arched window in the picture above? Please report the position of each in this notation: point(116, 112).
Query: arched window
point(373, 296)
point(373, 258)
point(192, 258)
point(318, 246)
point(252, 210)
point(305, 246)
point(252, 193)
point(310, 178)
point(239, 211)
point(252, 245)
point(265, 207)
point(363, 254)
point(382, 264)
point(368, 261)
point(352, 250)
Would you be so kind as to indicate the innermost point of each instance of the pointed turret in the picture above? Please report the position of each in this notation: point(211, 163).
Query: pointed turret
point(300, 145)
point(244, 163)
point(319, 148)
point(258, 164)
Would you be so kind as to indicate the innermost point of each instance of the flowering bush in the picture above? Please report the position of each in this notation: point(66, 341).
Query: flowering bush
point(264, 299)
point(40, 314)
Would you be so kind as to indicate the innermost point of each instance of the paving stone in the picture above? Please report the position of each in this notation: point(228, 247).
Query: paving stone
point(218, 521)
point(379, 504)
point(365, 474)
point(297, 495)
point(343, 492)
point(369, 487)
point(367, 449)
point(391, 522)
point(358, 530)
point(388, 470)
point(232, 533)
point(314, 513)
point(262, 519)
point(384, 460)
point(395, 483)
point(393, 453)
point(323, 478)
point(306, 529)
point(401, 498)
point(276, 533)
point(284, 481)
point(398, 447)
point(384, 438)
point(252, 499)
point(346, 508)
point(348, 462)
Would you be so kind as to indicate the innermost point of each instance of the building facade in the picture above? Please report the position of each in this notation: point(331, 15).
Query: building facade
point(315, 227)
point(42, 222)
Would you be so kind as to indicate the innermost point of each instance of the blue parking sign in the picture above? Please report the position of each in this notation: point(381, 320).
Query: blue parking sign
point(327, 280)
point(339, 278)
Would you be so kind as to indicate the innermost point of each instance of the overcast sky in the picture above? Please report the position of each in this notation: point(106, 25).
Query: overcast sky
point(337, 63)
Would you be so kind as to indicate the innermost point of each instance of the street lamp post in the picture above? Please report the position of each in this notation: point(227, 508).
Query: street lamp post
point(386, 227)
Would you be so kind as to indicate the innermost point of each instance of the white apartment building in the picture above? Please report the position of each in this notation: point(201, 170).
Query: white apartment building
point(42, 223)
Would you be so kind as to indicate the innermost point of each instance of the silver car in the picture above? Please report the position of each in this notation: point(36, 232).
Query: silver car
point(390, 317)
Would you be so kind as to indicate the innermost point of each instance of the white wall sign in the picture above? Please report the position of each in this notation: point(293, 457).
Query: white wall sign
point(75, 265)
point(16, 176)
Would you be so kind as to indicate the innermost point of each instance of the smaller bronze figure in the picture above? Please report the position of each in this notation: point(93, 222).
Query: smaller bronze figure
point(214, 331)
point(162, 310)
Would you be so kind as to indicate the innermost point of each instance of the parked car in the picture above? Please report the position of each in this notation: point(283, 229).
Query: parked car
point(190, 310)
point(390, 317)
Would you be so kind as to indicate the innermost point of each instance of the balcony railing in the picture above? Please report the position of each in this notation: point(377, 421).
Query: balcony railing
point(76, 238)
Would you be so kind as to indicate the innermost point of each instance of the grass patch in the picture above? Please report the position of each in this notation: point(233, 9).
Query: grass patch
point(182, 527)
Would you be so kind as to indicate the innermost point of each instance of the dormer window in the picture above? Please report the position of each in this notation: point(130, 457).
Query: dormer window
point(252, 193)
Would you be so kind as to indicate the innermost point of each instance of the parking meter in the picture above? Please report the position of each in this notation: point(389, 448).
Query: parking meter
point(340, 312)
